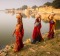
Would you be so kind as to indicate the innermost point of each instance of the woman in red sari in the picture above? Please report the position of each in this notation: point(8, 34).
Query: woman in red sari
point(52, 26)
point(36, 36)
point(19, 32)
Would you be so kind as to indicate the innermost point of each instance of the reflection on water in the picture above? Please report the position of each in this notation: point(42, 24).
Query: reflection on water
point(7, 24)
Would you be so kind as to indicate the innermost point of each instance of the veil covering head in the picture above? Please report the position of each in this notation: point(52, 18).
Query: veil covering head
point(52, 14)
point(52, 17)
point(18, 15)
point(37, 15)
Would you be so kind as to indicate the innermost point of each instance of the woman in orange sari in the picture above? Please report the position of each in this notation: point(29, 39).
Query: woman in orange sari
point(52, 26)
point(19, 32)
point(36, 36)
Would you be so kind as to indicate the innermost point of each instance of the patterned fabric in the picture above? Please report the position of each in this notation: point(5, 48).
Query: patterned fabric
point(19, 36)
point(36, 36)
point(51, 29)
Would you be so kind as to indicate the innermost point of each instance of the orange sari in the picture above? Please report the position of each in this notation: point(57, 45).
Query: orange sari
point(19, 36)
point(51, 29)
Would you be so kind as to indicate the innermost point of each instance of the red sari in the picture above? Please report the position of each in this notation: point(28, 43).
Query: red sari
point(51, 29)
point(36, 36)
point(19, 36)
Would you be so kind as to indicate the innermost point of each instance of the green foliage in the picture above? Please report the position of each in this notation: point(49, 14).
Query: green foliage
point(56, 3)
point(48, 4)
point(34, 7)
point(24, 7)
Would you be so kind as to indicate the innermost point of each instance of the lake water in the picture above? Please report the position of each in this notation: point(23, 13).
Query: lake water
point(7, 25)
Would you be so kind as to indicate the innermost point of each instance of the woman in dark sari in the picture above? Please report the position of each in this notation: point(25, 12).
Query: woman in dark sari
point(19, 33)
point(52, 26)
point(36, 36)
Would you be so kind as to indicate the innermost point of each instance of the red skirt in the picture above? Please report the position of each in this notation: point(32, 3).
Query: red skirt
point(51, 32)
point(36, 33)
point(19, 42)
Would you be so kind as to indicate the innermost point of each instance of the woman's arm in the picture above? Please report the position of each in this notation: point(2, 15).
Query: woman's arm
point(49, 17)
point(40, 18)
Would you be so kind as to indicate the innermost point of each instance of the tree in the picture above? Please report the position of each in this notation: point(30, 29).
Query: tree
point(34, 7)
point(56, 3)
point(48, 4)
point(24, 7)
